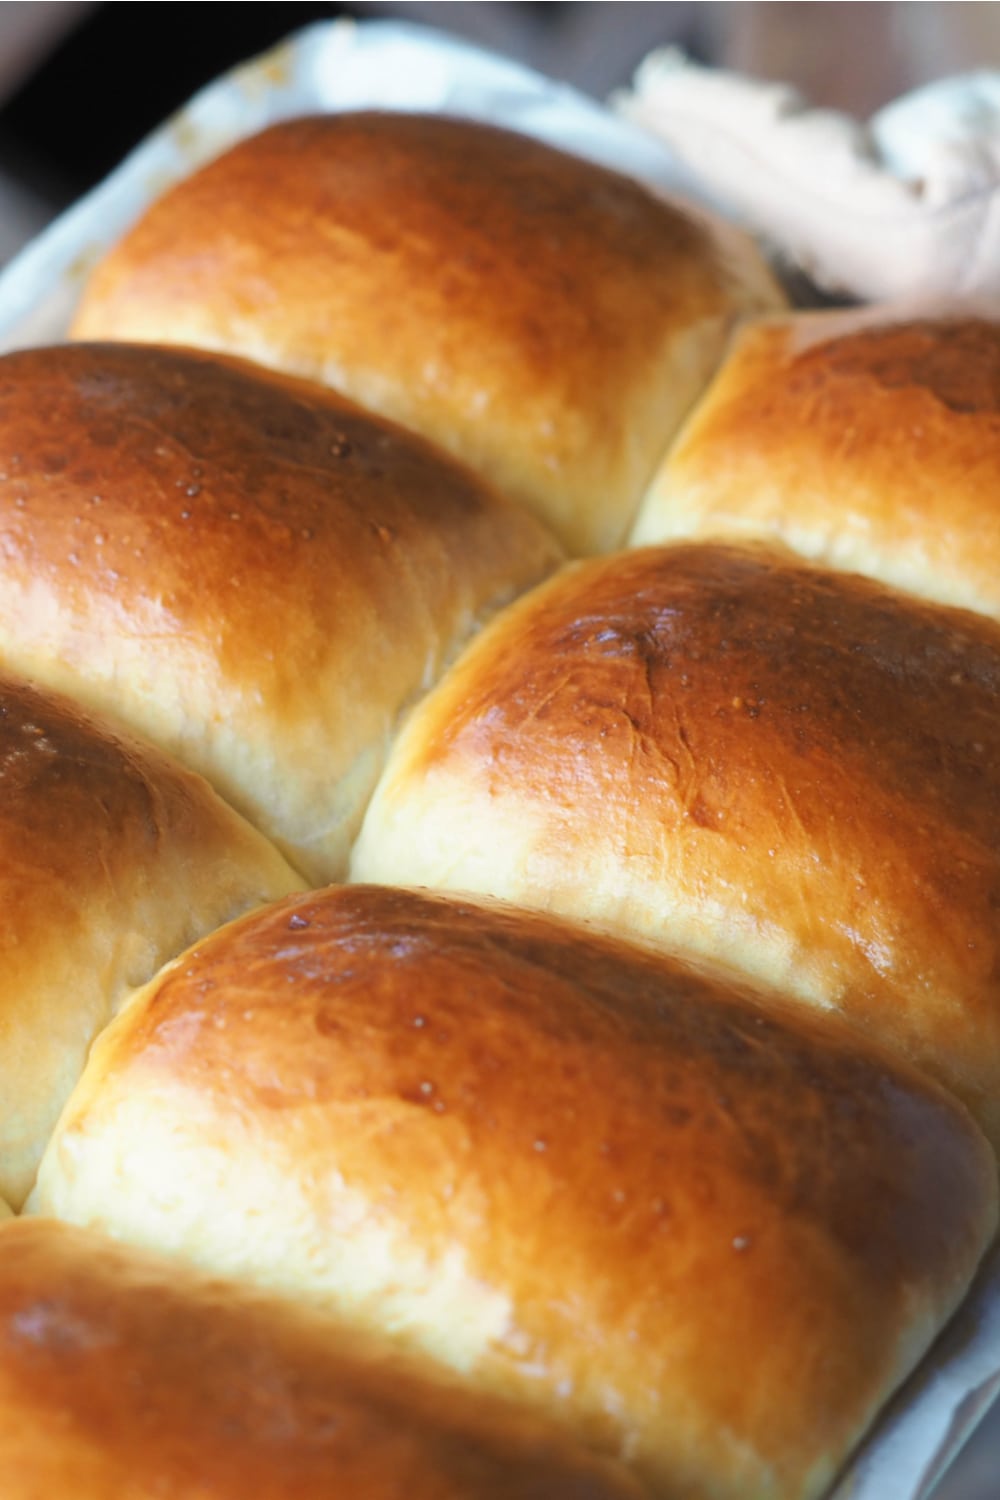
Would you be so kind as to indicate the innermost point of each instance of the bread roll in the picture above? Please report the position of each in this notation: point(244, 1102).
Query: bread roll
point(112, 859)
point(243, 567)
point(124, 1377)
point(791, 772)
point(546, 320)
point(707, 1237)
point(866, 440)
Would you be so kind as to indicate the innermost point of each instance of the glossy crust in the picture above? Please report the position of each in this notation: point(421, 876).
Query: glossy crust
point(542, 318)
point(706, 1236)
point(112, 859)
point(243, 567)
point(868, 441)
point(124, 1377)
point(789, 771)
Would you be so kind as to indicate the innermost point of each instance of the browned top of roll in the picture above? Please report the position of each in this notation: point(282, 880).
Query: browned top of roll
point(708, 1236)
point(112, 859)
point(540, 316)
point(788, 770)
point(242, 566)
point(867, 440)
point(126, 1377)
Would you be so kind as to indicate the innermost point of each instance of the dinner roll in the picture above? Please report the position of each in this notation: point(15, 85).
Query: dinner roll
point(867, 440)
point(789, 771)
point(542, 318)
point(124, 1377)
point(708, 1236)
point(243, 567)
point(112, 859)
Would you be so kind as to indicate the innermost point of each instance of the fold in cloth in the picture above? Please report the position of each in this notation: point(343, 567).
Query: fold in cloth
point(907, 204)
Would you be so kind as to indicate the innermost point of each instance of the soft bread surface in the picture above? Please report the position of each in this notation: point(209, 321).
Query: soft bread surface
point(243, 567)
point(789, 771)
point(542, 318)
point(112, 859)
point(707, 1236)
point(125, 1377)
point(869, 441)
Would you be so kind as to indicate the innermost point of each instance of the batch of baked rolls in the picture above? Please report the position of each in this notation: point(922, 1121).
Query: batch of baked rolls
point(500, 812)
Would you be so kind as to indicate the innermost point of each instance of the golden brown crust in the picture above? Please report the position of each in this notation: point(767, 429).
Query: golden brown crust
point(705, 1235)
point(869, 441)
point(789, 771)
point(243, 567)
point(126, 1377)
point(542, 318)
point(112, 859)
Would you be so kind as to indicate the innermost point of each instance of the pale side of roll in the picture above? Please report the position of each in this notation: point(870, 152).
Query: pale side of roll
point(791, 772)
point(112, 859)
point(244, 567)
point(867, 440)
point(126, 1377)
point(545, 320)
point(708, 1236)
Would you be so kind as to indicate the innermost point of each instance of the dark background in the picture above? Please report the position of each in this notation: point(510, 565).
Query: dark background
point(94, 79)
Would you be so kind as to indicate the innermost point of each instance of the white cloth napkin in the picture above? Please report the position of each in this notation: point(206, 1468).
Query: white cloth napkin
point(907, 204)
